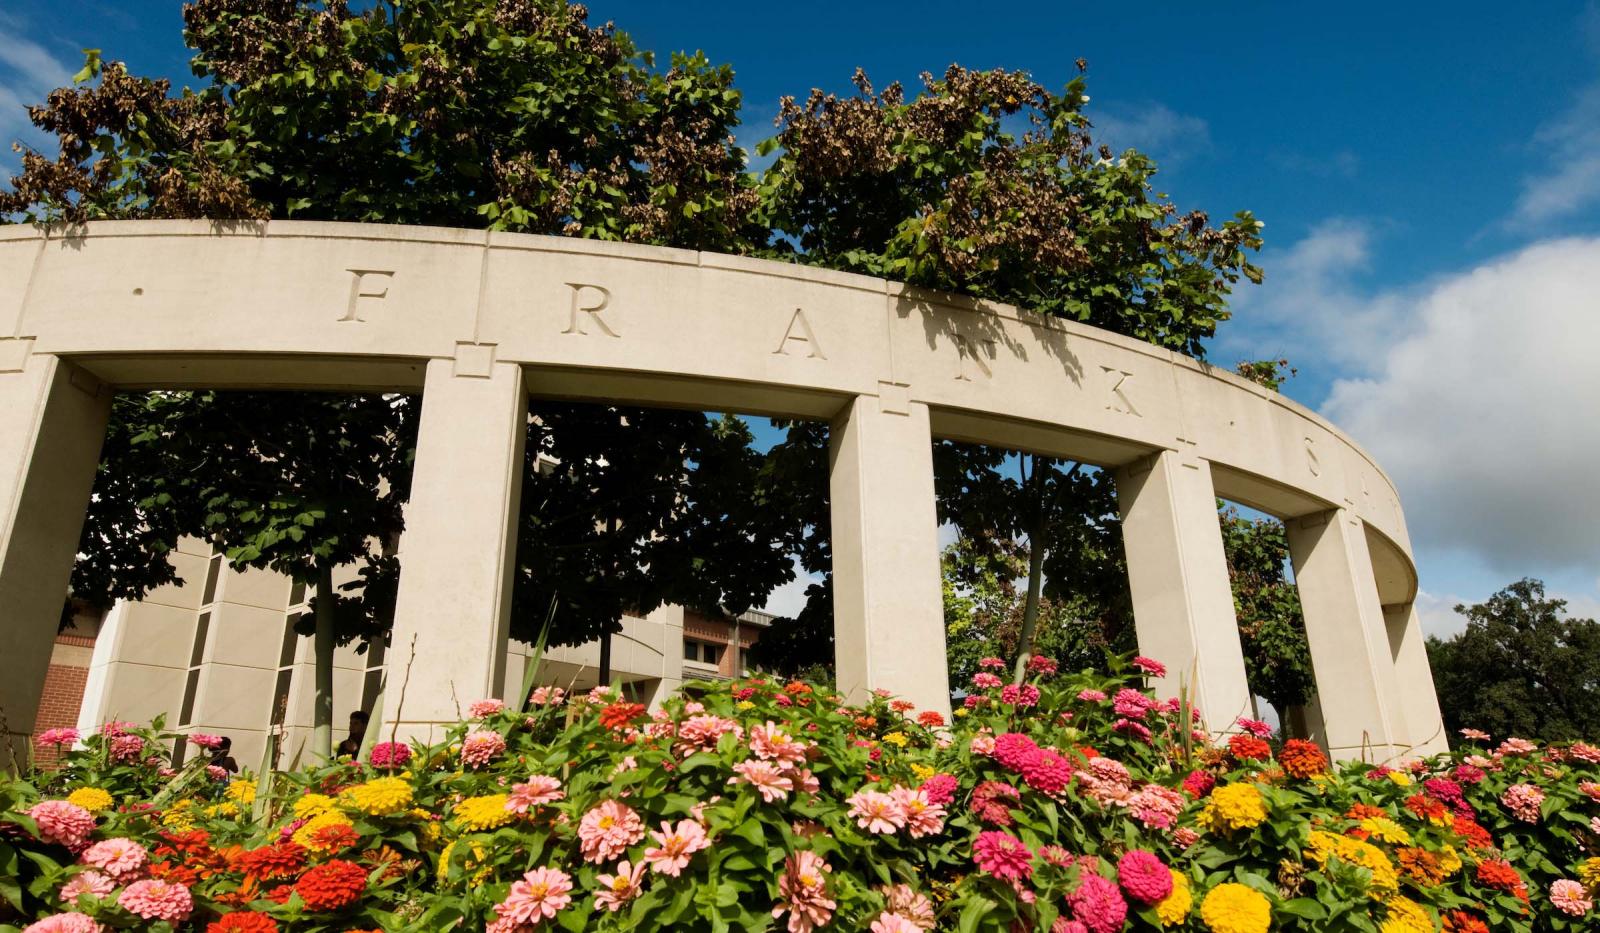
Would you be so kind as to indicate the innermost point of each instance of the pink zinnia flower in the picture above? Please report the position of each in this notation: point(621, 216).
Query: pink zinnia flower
point(547, 696)
point(984, 680)
point(992, 664)
point(1477, 735)
point(804, 781)
point(992, 802)
point(1134, 728)
point(126, 748)
point(1155, 806)
point(1047, 772)
point(804, 892)
point(1092, 696)
point(390, 755)
point(92, 883)
point(620, 888)
point(606, 831)
point(480, 746)
point(71, 922)
point(876, 812)
point(700, 733)
point(1570, 898)
point(771, 743)
point(205, 740)
point(903, 900)
point(887, 922)
point(157, 900)
point(923, 817)
point(1516, 746)
point(765, 777)
point(216, 772)
point(485, 708)
point(1150, 666)
point(537, 790)
point(1255, 727)
point(1184, 837)
point(675, 846)
point(1013, 750)
point(1099, 904)
point(1039, 664)
point(63, 823)
point(121, 858)
point(941, 788)
point(982, 745)
point(1523, 800)
point(58, 737)
point(538, 896)
point(1130, 703)
point(1002, 855)
point(1022, 696)
point(1144, 876)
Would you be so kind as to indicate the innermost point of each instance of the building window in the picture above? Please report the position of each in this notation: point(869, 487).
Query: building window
point(373, 682)
point(285, 679)
point(703, 652)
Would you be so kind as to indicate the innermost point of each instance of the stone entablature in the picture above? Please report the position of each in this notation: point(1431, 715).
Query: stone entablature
point(478, 321)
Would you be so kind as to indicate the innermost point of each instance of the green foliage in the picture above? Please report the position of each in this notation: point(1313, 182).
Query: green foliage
point(1272, 629)
point(1271, 374)
point(1521, 667)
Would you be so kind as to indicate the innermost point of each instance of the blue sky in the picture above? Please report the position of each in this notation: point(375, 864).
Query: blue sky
point(1428, 174)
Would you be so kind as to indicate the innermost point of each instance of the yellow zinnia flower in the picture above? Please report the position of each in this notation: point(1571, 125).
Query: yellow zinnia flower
point(1326, 845)
point(1589, 872)
point(1384, 829)
point(92, 799)
point(179, 816)
point(310, 805)
point(1174, 908)
point(476, 814)
point(379, 797)
point(1232, 807)
point(1234, 908)
point(242, 791)
point(227, 808)
point(922, 772)
point(897, 739)
point(1405, 916)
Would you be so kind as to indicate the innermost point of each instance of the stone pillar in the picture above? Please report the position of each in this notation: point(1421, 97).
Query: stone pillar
point(888, 613)
point(1178, 574)
point(52, 423)
point(1355, 673)
point(1419, 702)
point(458, 551)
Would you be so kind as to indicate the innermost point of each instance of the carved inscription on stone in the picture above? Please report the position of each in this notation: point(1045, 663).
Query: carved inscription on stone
point(365, 285)
point(1312, 462)
point(1117, 382)
point(587, 302)
point(971, 355)
point(799, 331)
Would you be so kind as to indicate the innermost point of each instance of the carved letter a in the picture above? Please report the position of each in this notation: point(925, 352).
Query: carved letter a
point(805, 336)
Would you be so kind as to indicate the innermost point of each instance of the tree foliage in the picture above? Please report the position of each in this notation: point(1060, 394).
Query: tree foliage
point(1522, 667)
point(1272, 629)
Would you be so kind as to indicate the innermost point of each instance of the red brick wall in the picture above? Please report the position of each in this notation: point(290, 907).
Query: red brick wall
point(718, 632)
point(61, 697)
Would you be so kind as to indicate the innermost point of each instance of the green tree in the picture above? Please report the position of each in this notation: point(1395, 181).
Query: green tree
point(513, 115)
point(1272, 629)
point(1522, 667)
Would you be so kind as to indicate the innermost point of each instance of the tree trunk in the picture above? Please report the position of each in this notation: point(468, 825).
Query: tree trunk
point(605, 660)
point(1036, 548)
point(322, 649)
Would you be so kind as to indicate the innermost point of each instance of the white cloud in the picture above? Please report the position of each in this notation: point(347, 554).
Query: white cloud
point(1571, 145)
point(28, 73)
point(1438, 616)
point(1311, 308)
point(1155, 129)
point(1485, 408)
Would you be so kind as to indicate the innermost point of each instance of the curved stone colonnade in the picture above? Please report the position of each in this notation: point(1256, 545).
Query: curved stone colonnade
point(479, 321)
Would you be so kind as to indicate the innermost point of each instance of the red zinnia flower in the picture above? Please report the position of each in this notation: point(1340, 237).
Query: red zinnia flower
point(270, 863)
point(1249, 748)
point(1498, 874)
point(930, 719)
point(619, 714)
point(243, 921)
point(331, 885)
point(1459, 921)
point(1302, 759)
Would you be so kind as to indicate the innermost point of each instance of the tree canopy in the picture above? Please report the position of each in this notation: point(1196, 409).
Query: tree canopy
point(1272, 629)
point(1522, 667)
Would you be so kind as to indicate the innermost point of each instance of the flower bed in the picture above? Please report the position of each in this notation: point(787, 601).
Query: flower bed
point(1069, 803)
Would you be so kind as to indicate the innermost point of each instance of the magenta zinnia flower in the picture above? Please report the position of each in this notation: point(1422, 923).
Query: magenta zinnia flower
point(1144, 876)
point(1002, 855)
point(390, 755)
point(58, 737)
point(1099, 904)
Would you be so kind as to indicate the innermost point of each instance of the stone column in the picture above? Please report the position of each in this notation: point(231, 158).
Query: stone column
point(888, 612)
point(458, 551)
point(1349, 644)
point(1419, 702)
point(1178, 574)
point(52, 423)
